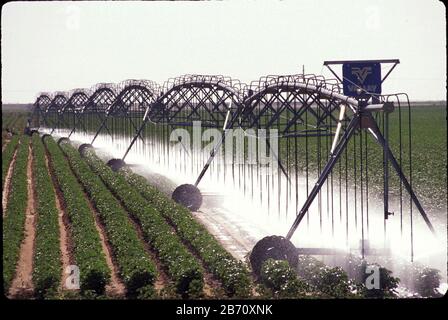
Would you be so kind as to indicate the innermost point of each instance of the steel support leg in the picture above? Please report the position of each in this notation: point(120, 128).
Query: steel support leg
point(226, 126)
point(71, 132)
point(45, 121)
point(180, 141)
point(99, 130)
point(135, 139)
point(351, 128)
point(282, 168)
point(54, 127)
point(74, 128)
point(380, 139)
point(210, 159)
point(138, 131)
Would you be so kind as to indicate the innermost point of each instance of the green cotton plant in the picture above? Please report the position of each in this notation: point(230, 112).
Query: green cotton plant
point(182, 267)
point(14, 220)
point(47, 269)
point(422, 280)
point(136, 268)
point(87, 250)
point(327, 282)
point(388, 283)
point(427, 280)
point(282, 280)
point(334, 282)
point(233, 274)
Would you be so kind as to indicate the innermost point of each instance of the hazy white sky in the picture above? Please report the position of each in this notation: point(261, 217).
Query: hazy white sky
point(49, 46)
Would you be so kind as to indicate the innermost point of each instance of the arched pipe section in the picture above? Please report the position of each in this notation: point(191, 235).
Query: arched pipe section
point(159, 110)
point(73, 108)
point(132, 102)
point(219, 100)
point(41, 104)
point(276, 87)
point(54, 110)
point(270, 98)
point(102, 97)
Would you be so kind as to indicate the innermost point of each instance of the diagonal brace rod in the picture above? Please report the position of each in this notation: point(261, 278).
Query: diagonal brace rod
point(351, 128)
point(380, 139)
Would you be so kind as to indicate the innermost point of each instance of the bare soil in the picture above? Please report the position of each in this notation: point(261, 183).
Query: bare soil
point(115, 287)
point(7, 185)
point(212, 286)
point(22, 285)
point(5, 143)
point(162, 280)
point(233, 240)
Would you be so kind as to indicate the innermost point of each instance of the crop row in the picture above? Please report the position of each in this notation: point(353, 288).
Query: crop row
point(182, 267)
point(87, 250)
point(136, 268)
point(281, 281)
point(14, 121)
point(14, 221)
point(7, 156)
point(8, 119)
point(47, 253)
point(233, 274)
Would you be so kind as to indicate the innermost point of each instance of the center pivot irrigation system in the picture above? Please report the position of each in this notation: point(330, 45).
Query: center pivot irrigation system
point(323, 127)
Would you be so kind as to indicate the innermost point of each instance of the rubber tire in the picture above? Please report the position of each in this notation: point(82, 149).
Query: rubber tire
point(45, 136)
point(116, 164)
point(83, 148)
point(189, 196)
point(275, 247)
point(60, 140)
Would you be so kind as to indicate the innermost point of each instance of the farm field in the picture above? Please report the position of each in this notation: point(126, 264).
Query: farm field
point(130, 241)
point(223, 157)
point(13, 122)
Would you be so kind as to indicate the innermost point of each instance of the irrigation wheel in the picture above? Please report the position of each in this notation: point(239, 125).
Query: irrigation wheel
point(275, 247)
point(189, 196)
